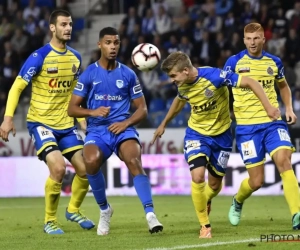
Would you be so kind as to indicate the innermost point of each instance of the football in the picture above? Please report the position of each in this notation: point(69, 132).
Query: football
point(145, 56)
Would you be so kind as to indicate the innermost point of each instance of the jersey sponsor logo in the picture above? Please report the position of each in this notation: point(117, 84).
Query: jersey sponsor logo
point(50, 62)
point(79, 86)
point(44, 133)
point(192, 145)
point(26, 78)
point(270, 71)
point(266, 84)
point(208, 93)
point(31, 71)
point(119, 83)
point(248, 150)
point(137, 89)
point(205, 107)
point(53, 83)
point(223, 159)
point(244, 70)
point(283, 135)
point(223, 74)
point(52, 70)
point(108, 97)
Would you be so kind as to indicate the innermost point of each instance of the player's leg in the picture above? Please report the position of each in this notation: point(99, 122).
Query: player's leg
point(212, 189)
point(95, 152)
point(129, 151)
point(71, 144)
point(279, 146)
point(221, 147)
point(197, 153)
point(251, 148)
point(48, 151)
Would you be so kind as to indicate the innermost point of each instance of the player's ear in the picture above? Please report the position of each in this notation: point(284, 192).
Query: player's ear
point(99, 45)
point(52, 27)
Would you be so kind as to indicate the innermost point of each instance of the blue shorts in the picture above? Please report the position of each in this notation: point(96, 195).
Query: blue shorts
point(254, 141)
point(67, 140)
point(109, 142)
point(216, 149)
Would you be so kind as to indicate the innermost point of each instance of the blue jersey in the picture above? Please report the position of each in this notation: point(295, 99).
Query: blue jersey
point(110, 88)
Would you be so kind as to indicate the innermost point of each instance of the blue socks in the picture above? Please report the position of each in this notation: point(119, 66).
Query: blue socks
point(143, 189)
point(97, 183)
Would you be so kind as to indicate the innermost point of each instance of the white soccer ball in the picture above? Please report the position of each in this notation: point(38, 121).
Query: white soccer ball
point(145, 56)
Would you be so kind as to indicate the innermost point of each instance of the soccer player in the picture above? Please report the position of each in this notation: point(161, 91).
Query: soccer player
point(52, 72)
point(256, 133)
point(109, 87)
point(208, 139)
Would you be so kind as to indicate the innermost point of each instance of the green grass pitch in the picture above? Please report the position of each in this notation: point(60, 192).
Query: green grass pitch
point(21, 225)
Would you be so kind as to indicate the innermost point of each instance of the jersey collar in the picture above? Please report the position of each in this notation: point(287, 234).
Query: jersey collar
point(254, 57)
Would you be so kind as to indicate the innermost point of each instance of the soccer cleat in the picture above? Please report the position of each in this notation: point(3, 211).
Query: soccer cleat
point(296, 221)
point(205, 232)
point(154, 225)
point(235, 212)
point(51, 228)
point(79, 218)
point(208, 207)
point(104, 222)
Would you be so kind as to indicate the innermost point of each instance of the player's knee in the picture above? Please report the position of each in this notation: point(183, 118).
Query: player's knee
point(256, 183)
point(57, 172)
point(284, 164)
point(134, 165)
point(214, 185)
point(198, 179)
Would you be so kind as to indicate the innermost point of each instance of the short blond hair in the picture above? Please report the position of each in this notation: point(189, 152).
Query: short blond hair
point(253, 27)
point(178, 60)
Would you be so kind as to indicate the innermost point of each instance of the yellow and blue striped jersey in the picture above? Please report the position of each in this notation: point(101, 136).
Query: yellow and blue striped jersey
point(52, 74)
point(209, 100)
point(267, 70)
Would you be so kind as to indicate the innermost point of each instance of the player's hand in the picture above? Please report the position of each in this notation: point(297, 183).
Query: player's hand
point(7, 126)
point(118, 127)
point(101, 111)
point(291, 118)
point(158, 133)
point(273, 113)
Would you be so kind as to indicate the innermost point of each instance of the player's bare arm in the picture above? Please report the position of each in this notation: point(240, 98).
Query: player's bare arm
point(176, 107)
point(247, 82)
point(75, 109)
point(286, 96)
point(140, 114)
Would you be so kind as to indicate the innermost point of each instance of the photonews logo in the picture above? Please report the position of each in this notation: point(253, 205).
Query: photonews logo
point(279, 237)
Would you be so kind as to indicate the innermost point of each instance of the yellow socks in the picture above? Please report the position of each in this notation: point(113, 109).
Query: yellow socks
point(244, 192)
point(52, 195)
point(80, 187)
point(291, 190)
point(210, 193)
point(200, 202)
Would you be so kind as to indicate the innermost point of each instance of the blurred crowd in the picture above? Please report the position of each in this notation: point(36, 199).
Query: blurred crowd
point(24, 28)
point(209, 31)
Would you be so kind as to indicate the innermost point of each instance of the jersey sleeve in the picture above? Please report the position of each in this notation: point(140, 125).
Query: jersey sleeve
point(135, 88)
point(222, 78)
point(31, 67)
point(83, 84)
point(280, 76)
point(230, 64)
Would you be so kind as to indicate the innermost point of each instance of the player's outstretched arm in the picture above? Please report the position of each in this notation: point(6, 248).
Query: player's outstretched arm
point(176, 107)
point(286, 96)
point(7, 125)
point(247, 82)
point(75, 110)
